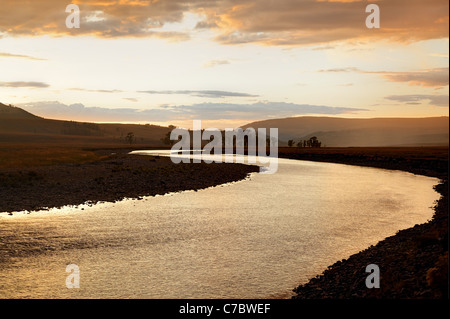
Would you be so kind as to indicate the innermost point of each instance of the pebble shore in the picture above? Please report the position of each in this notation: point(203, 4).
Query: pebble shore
point(114, 178)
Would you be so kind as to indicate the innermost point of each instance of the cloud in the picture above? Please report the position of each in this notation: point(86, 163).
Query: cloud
point(214, 63)
point(202, 111)
point(206, 25)
point(287, 22)
point(101, 18)
point(440, 55)
point(340, 70)
point(437, 77)
point(21, 84)
point(215, 111)
point(79, 112)
point(202, 93)
point(417, 99)
point(305, 22)
point(429, 78)
point(346, 84)
point(198, 93)
point(96, 91)
point(20, 56)
point(131, 99)
point(324, 47)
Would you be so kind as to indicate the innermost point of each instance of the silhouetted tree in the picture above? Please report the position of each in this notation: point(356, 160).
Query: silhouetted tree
point(130, 137)
point(291, 143)
point(166, 139)
point(314, 142)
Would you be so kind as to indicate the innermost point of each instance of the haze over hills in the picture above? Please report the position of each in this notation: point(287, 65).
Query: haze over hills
point(341, 132)
point(20, 126)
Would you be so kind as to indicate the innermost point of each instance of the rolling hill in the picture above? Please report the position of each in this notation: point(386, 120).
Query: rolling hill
point(341, 132)
point(19, 126)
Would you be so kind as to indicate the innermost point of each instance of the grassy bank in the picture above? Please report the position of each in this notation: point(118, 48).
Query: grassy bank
point(17, 156)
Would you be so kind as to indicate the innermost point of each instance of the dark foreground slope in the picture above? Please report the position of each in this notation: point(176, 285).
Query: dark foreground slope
point(414, 262)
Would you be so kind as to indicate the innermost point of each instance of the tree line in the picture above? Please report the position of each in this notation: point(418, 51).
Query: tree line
point(313, 142)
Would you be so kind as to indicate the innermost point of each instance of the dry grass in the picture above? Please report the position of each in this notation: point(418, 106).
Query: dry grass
point(19, 157)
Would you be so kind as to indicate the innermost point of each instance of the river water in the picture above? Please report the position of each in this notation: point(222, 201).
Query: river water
point(256, 238)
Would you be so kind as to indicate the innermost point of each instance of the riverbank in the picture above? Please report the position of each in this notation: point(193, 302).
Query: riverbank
point(414, 262)
point(75, 177)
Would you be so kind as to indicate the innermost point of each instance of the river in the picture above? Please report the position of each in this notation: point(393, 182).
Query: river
point(256, 238)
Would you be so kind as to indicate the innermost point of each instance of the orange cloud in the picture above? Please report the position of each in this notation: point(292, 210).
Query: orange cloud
point(437, 77)
point(102, 18)
point(293, 22)
point(20, 56)
point(428, 78)
point(284, 22)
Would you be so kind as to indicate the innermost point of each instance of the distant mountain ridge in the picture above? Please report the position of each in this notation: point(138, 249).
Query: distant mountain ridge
point(20, 126)
point(343, 132)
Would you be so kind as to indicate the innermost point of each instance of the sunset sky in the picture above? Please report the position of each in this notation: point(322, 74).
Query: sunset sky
point(225, 62)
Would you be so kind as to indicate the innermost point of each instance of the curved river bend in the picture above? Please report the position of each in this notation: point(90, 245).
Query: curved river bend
point(257, 238)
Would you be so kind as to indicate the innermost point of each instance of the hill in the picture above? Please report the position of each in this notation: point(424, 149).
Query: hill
point(8, 112)
point(379, 132)
point(19, 126)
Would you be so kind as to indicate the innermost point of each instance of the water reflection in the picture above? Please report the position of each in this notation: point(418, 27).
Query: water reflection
point(256, 238)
